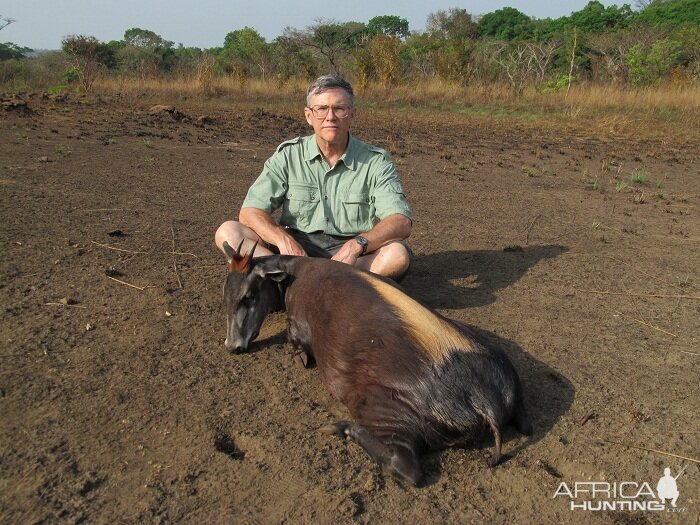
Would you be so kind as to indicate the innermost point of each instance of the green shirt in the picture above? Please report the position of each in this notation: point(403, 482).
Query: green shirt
point(350, 198)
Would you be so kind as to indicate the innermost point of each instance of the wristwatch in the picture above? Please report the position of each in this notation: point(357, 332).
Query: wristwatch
point(362, 242)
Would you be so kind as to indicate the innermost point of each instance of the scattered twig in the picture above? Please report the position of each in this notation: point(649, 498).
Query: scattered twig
point(64, 304)
point(631, 294)
point(142, 288)
point(587, 417)
point(172, 231)
point(183, 253)
point(114, 248)
point(529, 227)
point(104, 209)
point(651, 450)
point(646, 324)
point(686, 352)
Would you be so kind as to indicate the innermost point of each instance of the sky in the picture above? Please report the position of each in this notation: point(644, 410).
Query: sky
point(41, 24)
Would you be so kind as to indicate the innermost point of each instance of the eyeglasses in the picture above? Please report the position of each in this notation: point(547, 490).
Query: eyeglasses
point(320, 112)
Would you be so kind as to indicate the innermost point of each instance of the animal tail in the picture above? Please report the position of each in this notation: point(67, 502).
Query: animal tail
point(496, 456)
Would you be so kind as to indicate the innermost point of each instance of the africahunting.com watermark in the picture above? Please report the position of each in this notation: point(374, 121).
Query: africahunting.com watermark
point(595, 496)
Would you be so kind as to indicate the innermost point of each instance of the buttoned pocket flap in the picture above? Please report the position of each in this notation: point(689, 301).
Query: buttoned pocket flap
point(300, 192)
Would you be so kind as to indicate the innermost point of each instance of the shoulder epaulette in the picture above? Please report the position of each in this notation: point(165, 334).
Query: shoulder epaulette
point(380, 151)
point(288, 142)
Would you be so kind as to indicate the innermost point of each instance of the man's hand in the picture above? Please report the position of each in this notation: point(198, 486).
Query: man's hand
point(269, 231)
point(348, 253)
point(287, 245)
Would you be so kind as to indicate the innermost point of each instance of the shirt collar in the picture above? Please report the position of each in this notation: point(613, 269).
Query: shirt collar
point(312, 152)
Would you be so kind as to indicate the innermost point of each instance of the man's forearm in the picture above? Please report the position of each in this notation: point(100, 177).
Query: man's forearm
point(392, 228)
point(261, 223)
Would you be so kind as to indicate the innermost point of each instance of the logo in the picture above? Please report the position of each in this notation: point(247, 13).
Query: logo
point(593, 496)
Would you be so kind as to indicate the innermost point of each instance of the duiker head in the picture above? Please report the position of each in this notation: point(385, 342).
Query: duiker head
point(251, 291)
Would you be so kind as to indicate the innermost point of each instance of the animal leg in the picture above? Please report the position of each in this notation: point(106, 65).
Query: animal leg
point(401, 460)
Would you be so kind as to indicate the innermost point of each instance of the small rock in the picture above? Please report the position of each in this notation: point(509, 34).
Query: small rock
point(67, 301)
point(89, 327)
point(43, 159)
point(167, 314)
point(113, 272)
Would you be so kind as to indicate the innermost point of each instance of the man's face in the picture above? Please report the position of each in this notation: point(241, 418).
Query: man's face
point(331, 129)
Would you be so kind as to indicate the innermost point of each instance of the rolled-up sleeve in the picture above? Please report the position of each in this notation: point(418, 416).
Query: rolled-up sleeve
point(268, 191)
point(388, 194)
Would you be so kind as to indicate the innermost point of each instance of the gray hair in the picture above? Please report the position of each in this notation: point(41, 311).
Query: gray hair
point(326, 82)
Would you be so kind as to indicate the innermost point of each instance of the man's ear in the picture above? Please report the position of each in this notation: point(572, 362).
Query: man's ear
point(309, 116)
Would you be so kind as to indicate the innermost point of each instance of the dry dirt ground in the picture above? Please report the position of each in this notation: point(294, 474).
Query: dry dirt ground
point(119, 403)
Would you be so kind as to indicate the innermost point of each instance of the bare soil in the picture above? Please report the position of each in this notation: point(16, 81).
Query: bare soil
point(119, 403)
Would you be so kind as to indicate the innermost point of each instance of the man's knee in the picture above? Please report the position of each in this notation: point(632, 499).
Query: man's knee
point(399, 253)
point(391, 260)
point(228, 231)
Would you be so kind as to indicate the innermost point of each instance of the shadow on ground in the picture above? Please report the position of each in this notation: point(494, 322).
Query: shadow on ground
point(463, 279)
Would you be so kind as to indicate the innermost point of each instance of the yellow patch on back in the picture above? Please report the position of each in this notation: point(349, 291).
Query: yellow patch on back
point(433, 334)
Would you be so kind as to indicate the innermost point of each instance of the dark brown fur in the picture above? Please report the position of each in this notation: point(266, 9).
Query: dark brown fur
point(407, 391)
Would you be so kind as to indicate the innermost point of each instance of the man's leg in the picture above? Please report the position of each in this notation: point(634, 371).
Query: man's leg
point(234, 232)
point(391, 260)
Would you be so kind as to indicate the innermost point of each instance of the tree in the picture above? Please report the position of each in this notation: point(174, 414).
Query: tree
point(145, 38)
point(596, 18)
point(145, 53)
point(454, 24)
point(10, 51)
point(249, 47)
point(5, 21)
point(420, 50)
point(609, 51)
point(332, 40)
point(385, 51)
point(507, 24)
point(641, 5)
point(455, 38)
point(291, 57)
point(671, 12)
point(648, 67)
point(388, 25)
point(84, 51)
point(525, 62)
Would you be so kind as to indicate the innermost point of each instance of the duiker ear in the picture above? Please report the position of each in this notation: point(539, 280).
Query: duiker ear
point(270, 271)
point(230, 253)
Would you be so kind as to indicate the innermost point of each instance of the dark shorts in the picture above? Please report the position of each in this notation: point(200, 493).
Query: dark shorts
point(319, 244)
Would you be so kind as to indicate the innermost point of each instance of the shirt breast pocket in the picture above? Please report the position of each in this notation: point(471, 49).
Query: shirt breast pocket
point(357, 211)
point(302, 201)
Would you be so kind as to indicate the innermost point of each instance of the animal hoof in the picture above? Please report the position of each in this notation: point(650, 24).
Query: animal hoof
point(339, 429)
point(302, 360)
point(494, 460)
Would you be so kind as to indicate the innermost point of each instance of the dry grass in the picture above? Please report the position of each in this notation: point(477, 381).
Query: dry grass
point(669, 110)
